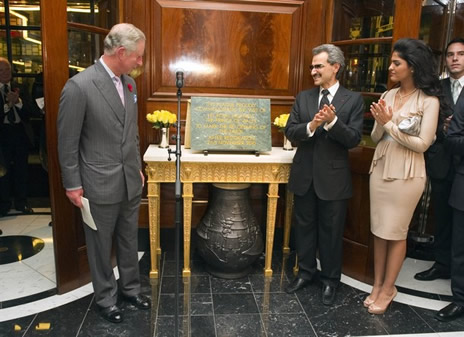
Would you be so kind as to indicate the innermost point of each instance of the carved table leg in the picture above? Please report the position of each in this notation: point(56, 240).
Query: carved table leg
point(187, 196)
point(288, 221)
point(272, 196)
point(154, 226)
point(296, 267)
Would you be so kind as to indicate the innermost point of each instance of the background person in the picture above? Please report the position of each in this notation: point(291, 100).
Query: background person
point(439, 166)
point(327, 122)
point(100, 159)
point(397, 174)
point(14, 144)
point(454, 142)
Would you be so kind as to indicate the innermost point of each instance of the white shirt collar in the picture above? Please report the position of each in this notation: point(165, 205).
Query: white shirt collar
point(108, 70)
point(461, 81)
point(332, 90)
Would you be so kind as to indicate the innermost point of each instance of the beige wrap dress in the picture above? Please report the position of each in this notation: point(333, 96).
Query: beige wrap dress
point(397, 173)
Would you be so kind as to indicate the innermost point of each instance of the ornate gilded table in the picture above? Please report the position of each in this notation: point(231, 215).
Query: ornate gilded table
point(271, 168)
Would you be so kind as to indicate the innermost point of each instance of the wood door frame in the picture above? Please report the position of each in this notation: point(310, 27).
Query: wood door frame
point(64, 216)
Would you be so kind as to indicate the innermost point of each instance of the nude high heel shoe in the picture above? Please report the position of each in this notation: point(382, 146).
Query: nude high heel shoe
point(378, 310)
point(368, 301)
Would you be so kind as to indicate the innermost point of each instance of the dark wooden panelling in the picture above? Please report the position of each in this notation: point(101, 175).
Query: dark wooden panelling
point(241, 48)
point(315, 22)
point(356, 261)
point(255, 45)
point(357, 243)
point(406, 25)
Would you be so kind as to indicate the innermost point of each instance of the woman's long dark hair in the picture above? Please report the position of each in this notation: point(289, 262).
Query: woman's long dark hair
point(420, 58)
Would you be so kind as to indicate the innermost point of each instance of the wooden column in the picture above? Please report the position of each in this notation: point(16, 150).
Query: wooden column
point(55, 65)
point(407, 19)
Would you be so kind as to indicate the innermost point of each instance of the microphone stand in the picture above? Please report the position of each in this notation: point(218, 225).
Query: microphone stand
point(178, 212)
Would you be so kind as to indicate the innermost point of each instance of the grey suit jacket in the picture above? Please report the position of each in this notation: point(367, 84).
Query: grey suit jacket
point(98, 143)
point(323, 158)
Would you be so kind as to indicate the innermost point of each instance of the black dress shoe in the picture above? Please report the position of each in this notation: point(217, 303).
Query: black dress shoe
point(25, 209)
point(297, 284)
point(112, 314)
point(450, 312)
point(328, 294)
point(432, 274)
point(139, 301)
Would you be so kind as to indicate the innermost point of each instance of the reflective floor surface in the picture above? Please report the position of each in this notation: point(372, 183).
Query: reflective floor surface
point(209, 306)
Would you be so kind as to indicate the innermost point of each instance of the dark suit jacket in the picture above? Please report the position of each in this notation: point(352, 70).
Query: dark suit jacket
point(438, 160)
point(23, 112)
point(454, 142)
point(323, 158)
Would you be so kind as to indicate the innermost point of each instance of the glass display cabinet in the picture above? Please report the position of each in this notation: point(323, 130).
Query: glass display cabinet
point(364, 32)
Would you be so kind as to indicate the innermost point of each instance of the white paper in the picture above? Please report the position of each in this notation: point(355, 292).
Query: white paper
point(86, 215)
point(40, 102)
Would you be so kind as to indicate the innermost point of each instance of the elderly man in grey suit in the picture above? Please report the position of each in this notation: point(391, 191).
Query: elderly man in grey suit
point(326, 121)
point(100, 160)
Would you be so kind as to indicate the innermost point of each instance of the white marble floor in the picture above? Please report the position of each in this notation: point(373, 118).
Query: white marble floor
point(406, 280)
point(37, 274)
point(34, 274)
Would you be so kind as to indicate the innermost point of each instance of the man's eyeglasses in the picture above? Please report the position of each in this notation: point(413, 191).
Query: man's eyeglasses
point(316, 66)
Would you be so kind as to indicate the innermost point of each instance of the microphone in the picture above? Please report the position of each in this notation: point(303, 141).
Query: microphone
point(179, 79)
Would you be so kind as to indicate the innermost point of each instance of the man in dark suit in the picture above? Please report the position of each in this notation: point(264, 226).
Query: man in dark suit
point(439, 165)
point(454, 141)
point(99, 154)
point(14, 144)
point(326, 121)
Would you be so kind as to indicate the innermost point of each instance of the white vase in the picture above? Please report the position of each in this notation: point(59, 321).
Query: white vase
point(287, 144)
point(164, 143)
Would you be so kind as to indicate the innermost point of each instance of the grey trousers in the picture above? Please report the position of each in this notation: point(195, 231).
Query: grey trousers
point(121, 221)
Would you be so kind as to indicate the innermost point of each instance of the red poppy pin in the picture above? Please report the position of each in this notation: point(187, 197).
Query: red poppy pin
point(129, 86)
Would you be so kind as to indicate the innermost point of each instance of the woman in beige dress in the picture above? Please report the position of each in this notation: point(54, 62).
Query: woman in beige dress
point(398, 169)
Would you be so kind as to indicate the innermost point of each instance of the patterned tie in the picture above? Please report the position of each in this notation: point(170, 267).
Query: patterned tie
point(324, 99)
point(11, 115)
point(118, 83)
point(456, 90)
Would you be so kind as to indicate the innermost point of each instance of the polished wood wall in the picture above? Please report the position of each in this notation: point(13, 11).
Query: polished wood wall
point(229, 49)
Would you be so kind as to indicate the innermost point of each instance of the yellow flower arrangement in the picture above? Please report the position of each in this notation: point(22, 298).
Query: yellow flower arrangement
point(161, 118)
point(281, 121)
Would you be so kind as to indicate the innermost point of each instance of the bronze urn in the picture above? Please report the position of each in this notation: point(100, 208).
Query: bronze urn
point(228, 237)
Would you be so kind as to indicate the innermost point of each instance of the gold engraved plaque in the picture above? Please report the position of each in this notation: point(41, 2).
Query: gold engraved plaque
point(230, 124)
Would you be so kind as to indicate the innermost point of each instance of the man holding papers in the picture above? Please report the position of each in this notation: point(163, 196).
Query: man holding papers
point(100, 160)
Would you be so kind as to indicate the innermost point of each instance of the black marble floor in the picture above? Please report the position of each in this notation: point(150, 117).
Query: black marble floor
point(252, 306)
point(19, 247)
